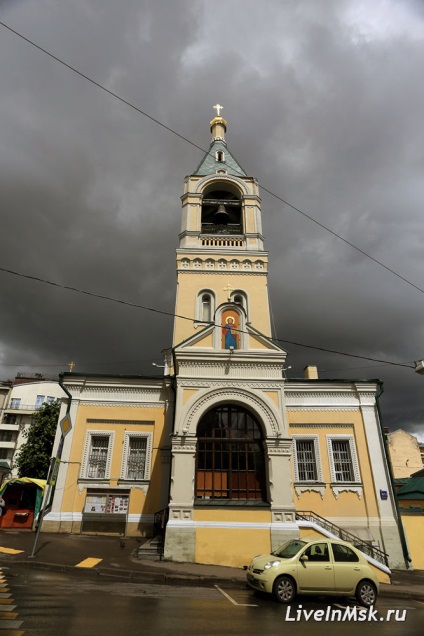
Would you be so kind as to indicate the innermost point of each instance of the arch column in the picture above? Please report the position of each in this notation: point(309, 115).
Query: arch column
point(283, 513)
point(180, 539)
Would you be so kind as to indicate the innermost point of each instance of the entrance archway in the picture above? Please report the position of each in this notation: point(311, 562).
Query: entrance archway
point(230, 461)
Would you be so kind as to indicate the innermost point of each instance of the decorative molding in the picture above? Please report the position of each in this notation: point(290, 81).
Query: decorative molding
point(338, 489)
point(77, 516)
point(126, 422)
point(307, 400)
point(234, 394)
point(181, 514)
point(278, 446)
point(135, 485)
point(325, 426)
point(219, 178)
point(85, 483)
point(310, 488)
point(214, 272)
point(152, 405)
point(194, 384)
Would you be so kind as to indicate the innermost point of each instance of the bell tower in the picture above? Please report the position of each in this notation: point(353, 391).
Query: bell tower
point(221, 258)
point(230, 447)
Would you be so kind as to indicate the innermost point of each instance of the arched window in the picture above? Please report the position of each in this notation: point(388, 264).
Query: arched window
point(230, 457)
point(221, 208)
point(239, 297)
point(220, 155)
point(205, 306)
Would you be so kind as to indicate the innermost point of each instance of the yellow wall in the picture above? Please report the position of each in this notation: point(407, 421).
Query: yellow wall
point(414, 530)
point(73, 499)
point(348, 503)
point(231, 546)
point(189, 285)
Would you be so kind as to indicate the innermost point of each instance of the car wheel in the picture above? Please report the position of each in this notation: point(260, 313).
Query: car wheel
point(366, 593)
point(284, 589)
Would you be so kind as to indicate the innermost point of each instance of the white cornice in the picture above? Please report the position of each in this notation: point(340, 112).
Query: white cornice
point(324, 396)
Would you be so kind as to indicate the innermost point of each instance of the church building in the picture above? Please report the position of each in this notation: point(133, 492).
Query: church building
point(227, 453)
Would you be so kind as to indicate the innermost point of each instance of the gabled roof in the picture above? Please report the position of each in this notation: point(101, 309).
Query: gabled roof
point(209, 164)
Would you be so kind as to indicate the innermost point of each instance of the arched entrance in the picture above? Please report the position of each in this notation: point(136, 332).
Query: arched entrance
point(230, 461)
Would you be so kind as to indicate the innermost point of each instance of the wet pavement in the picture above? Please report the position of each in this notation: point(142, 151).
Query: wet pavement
point(112, 556)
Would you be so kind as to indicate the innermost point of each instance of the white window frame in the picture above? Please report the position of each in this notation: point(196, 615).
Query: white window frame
point(125, 453)
point(355, 465)
point(315, 440)
point(199, 306)
point(40, 401)
point(87, 448)
point(243, 295)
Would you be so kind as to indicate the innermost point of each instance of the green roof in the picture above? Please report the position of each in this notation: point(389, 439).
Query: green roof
point(209, 164)
point(413, 489)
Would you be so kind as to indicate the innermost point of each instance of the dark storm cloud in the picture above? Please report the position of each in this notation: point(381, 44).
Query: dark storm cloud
point(324, 102)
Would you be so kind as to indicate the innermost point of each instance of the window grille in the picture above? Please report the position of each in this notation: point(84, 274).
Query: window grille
point(97, 460)
point(136, 460)
point(230, 456)
point(342, 459)
point(306, 460)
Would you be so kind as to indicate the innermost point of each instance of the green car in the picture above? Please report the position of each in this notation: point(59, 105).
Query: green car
point(316, 566)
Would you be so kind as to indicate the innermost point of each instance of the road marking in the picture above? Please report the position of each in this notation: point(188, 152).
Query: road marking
point(9, 626)
point(88, 563)
point(227, 596)
point(10, 550)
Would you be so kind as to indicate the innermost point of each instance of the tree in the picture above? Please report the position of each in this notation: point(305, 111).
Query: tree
point(33, 459)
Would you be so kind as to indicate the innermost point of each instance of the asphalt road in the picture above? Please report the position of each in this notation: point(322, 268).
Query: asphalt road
point(51, 604)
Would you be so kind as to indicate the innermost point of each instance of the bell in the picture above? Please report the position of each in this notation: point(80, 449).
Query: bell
point(221, 216)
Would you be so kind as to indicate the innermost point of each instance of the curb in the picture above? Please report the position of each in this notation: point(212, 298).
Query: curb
point(187, 580)
point(133, 576)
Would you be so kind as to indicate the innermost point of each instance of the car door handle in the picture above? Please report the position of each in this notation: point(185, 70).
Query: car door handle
point(357, 569)
point(328, 567)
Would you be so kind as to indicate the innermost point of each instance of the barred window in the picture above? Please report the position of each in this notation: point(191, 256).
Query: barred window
point(230, 456)
point(136, 458)
point(306, 460)
point(342, 459)
point(97, 459)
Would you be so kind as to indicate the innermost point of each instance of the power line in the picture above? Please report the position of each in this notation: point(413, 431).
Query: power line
point(206, 323)
point(174, 132)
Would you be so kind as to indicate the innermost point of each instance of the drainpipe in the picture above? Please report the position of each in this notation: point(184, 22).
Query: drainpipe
point(68, 408)
point(404, 544)
point(62, 440)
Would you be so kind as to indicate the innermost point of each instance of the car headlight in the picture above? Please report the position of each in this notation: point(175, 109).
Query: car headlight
point(271, 564)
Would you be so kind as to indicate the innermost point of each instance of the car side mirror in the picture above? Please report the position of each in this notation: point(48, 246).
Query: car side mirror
point(303, 558)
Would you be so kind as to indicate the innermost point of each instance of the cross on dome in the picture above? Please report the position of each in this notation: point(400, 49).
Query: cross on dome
point(218, 109)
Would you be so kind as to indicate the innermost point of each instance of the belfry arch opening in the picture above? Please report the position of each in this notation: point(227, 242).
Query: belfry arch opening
point(230, 461)
point(221, 210)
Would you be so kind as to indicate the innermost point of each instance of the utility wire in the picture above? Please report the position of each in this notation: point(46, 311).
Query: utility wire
point(174, 132)
point(205, 322)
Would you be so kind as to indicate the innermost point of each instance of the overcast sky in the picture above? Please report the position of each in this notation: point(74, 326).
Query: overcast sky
point(324, 101)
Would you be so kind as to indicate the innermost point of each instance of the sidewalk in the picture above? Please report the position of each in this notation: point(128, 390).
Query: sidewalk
point(118, 559)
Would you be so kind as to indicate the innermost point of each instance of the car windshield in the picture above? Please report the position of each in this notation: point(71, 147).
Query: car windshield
point(289, 549)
